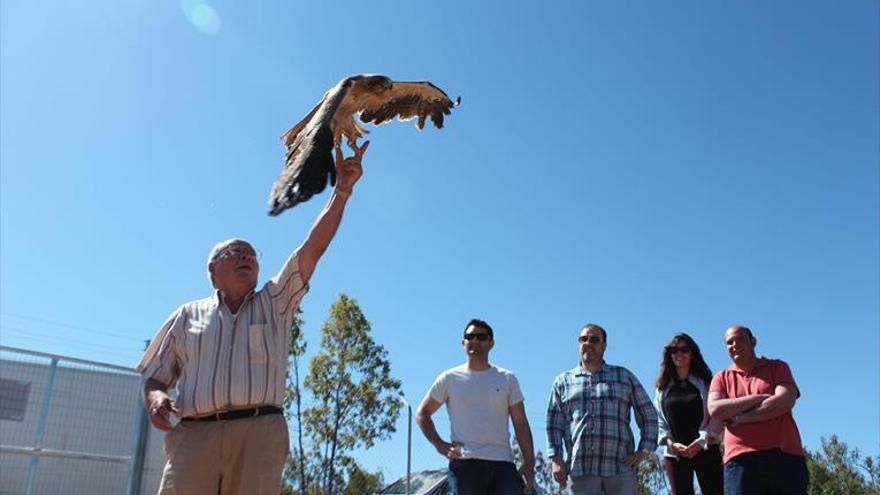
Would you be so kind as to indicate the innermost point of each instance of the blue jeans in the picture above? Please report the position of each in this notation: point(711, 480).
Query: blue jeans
point(481, 477)
point(767, 472)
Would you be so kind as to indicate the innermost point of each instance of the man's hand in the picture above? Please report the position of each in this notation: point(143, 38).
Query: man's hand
point(528, 473)
point(449, 450)
point(160, 405)
point(633, 460)
point(349, 170)
point(560, 472)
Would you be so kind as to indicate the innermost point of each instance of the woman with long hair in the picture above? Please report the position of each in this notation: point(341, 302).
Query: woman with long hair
point(687, 433)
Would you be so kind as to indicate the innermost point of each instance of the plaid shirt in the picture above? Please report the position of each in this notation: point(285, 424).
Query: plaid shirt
point(588, 413)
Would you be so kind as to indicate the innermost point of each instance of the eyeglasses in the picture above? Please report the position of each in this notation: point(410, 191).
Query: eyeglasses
point(482, 337)
point(238, 252)
point(678, 349)
point(593, 339)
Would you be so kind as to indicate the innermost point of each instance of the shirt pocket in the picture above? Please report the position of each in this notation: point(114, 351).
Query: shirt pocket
point(620, 392)
point(258, 340)
point(612, 392)
point(193, 336)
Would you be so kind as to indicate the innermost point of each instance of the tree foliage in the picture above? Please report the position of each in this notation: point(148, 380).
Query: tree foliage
point(652, 477)
point(354, 402)
point(361, 482)
point(297, 467)
point(835, 469)
point(544, 476)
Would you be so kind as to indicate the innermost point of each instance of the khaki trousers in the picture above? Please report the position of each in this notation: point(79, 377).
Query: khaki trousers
point(237, 457)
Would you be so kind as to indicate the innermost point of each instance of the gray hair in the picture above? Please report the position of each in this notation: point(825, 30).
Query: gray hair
point(217, 250)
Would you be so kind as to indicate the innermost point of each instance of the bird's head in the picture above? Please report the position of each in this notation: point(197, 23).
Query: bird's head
point(375, 83)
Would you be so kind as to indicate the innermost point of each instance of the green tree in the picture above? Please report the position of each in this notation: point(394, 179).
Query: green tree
point(652, 478)
point(361, 482)
point(836, 470)
point(295, 472)
point(544, 476)
point(355, 397)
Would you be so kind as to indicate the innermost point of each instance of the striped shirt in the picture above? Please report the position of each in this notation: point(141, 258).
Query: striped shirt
point(218, 360)
point(589, 415)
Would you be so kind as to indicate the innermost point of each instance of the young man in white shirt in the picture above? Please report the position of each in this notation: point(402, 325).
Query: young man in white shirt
point(480, 398)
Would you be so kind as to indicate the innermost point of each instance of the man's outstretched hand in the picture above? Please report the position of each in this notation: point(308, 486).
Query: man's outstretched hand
point(349, 170)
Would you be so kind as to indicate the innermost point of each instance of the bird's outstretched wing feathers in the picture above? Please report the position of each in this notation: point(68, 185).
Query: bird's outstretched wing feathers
point(408, 100)
point(309, 165)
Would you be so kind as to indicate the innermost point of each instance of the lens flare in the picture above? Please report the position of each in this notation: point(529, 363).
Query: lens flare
point(201, 15)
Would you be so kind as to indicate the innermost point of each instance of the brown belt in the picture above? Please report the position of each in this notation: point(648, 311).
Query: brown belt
point(237, 414)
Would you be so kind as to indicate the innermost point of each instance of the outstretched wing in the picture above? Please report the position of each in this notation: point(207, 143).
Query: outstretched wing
point(408, 100)
point(308, 165)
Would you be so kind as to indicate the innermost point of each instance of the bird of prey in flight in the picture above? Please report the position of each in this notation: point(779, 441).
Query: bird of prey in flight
point(308, 164)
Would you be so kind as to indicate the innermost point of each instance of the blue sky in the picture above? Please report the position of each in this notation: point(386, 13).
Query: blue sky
point(651, 167)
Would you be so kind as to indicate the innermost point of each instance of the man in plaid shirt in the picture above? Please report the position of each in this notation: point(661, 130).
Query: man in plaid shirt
point(588, 414)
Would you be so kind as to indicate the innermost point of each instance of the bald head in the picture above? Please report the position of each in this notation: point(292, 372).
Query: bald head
point(741, 345)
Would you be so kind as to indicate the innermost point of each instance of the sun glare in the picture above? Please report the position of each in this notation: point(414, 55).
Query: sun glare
point(201, 15)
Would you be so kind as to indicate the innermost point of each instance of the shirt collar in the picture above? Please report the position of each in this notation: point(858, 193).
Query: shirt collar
point(218, 298)
point(762, 361)
point(580, 371)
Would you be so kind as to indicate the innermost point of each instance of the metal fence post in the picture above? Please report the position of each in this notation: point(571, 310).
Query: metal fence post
point(41, 426)
point(408, 443)
point(138, 458)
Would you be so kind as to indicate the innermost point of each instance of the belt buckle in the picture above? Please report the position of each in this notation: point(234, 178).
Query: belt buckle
point(256, 412)
point(217, 415)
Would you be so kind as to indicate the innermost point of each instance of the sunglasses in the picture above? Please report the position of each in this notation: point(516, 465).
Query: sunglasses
point(593, 339)
point(678, 349)
point(482, 337)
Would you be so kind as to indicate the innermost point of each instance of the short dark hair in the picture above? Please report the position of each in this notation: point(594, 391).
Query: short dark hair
point(593, 326)
point(478, 323)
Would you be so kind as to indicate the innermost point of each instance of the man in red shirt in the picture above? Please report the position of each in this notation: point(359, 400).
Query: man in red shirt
point(754, 397)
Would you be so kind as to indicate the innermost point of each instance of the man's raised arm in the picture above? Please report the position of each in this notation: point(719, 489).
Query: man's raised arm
point(348, 171)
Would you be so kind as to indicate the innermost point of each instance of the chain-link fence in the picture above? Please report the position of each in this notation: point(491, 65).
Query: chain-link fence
point(70, 426)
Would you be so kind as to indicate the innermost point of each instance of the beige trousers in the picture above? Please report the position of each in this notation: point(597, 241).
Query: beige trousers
point(238, 457)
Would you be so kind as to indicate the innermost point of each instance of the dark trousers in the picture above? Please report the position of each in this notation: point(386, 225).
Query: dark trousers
point(707, 465)
point(481, 477)
point(768, 472)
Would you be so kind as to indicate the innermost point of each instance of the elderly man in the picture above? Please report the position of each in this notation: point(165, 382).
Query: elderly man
point(588, 414)
point(754, 397)
point(227, 357)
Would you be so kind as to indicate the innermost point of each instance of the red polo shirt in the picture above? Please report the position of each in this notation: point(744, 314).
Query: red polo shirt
point(780, 432)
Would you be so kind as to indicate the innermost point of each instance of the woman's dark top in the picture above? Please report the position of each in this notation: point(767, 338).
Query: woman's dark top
point(683, 408)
